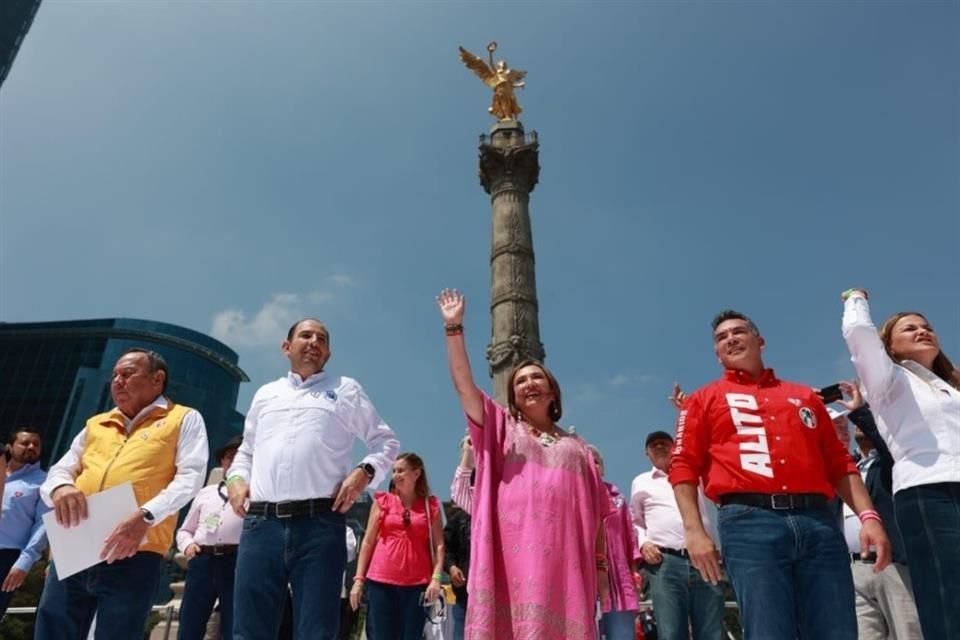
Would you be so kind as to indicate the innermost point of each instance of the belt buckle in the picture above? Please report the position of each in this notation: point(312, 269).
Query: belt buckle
point(781, 501)
point(218, 550)
point(279, 510)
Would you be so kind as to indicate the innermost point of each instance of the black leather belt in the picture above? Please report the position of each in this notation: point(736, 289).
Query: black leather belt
point(312, 507)
point(776, 501)
point(218, 549)
point(870, 559)
point(680, 553)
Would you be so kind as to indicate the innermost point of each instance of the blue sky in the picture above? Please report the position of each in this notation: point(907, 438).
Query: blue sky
point(230, 166)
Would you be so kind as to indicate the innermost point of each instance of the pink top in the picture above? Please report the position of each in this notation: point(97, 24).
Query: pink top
point(536, 514)
point(460, 489)
point(210, 521)
point(402, 553)
point(622, 551)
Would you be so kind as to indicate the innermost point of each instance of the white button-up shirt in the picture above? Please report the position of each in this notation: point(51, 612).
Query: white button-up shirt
point(298, 438)
point(656, 515)
point(210, 521)
point(917, 413)
point(191, 461)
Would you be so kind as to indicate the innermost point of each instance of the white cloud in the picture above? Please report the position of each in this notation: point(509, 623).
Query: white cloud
point(268, 325)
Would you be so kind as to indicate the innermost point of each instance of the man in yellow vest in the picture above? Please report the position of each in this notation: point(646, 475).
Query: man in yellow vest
point(160, 448)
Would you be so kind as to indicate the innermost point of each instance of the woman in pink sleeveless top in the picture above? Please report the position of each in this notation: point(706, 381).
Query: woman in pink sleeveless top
point(538, 507)
point(395, 564)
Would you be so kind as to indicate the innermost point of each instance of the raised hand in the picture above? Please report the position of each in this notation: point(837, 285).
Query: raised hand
point(452, 305)
point(677, 396)
point(852, 391)
point(846, 294)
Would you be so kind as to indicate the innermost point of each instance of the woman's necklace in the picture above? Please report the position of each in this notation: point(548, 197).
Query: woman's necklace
point(547, 439)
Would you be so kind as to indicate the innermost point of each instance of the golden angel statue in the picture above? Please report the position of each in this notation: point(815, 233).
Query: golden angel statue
point(499, 77)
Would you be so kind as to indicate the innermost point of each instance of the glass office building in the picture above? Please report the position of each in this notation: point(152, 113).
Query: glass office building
point(55, 375)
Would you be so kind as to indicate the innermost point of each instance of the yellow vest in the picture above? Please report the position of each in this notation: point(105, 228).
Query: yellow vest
point(146, 458)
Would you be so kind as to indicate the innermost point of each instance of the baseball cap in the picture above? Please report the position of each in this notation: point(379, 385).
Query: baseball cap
point(658, 435)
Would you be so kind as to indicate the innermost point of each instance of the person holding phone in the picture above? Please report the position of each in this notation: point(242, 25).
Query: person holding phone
point(397, 566)
point(914, 393)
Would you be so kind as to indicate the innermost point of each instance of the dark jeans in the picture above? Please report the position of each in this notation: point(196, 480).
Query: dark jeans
point(394, 612)
point(619, 625)
point(120, 594)
point(209, 578)
point(682, 598)
point(306, 552)
point(790, 571)
point(8, 557)
point(459, 613)
point(929, 521)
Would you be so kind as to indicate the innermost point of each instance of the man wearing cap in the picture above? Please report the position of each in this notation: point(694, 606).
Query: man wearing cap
point(160, 448)
point(295, 468)
point(682, 599)
point(209, 537)
point(885, 604)
point(768, 454)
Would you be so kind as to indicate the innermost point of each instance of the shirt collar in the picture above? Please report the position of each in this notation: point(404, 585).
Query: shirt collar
point(118, 417)
point(24, 470)
point(296, 381)
point(766, 379)
point(923, 373)
point(658, 474)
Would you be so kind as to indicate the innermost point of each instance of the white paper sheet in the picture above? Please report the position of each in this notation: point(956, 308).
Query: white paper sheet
point(79, 547)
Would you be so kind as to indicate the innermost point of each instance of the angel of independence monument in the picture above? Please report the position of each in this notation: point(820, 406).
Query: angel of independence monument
point(509, 170)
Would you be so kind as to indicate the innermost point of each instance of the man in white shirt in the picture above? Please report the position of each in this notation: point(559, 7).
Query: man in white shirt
point(295, 468)
point(682, 599)
point(160, 447)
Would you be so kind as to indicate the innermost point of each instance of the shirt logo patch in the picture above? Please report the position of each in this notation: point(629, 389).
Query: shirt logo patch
point(754, 449)
point(331, 395)
point(808, 418)
point(144, 435)
point(794, 401)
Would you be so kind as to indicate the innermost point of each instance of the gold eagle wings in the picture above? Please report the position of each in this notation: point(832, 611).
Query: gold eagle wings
point(502, 79)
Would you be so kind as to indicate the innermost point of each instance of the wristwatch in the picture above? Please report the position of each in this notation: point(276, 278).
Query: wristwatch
point(367, 469)
point(147, 515)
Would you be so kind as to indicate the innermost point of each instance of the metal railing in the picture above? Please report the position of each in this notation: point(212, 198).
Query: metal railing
point(166, 619)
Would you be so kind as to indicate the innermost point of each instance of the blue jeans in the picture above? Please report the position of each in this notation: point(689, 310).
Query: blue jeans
point(459, 612)
point(619, 625)
point(307, 552)
point(682, 598)
point(929, 520)
point(120, 594)
point(209, 578)
point(394, 612)
point(790, 571)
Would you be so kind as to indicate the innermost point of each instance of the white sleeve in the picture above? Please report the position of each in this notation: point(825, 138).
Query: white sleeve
point(191, 461)
point(874, 367)
point(243, 460)
point(66, 470)
point(636, 510)
point(367, 424)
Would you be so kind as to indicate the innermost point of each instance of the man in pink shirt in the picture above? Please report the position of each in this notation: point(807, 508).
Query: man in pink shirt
point(209, 538)
point(682, 599)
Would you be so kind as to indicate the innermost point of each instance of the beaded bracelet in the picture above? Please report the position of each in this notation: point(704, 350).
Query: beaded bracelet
point(438, 577)
point(453, 329)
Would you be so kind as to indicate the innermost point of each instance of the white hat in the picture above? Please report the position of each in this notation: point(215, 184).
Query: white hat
point(837, 413)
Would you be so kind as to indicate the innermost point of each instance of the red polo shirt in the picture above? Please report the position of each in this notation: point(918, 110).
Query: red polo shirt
point(758, 436)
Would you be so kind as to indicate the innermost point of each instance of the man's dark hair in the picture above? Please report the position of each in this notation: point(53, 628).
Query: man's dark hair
point(16, 432)
point(155, 362)
point(730, 314)
point(293, 328)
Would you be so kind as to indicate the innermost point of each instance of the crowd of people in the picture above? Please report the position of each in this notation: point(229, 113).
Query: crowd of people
point(757, 486)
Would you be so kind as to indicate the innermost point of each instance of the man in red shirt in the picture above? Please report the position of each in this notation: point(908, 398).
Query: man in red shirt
point(768, 455)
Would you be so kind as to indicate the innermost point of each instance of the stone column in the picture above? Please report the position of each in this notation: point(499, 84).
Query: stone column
point(509, 170)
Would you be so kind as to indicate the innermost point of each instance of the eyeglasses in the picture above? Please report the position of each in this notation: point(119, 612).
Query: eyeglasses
point(406, 517)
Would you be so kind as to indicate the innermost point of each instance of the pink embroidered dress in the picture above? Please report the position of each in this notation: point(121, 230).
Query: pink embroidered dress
point(536, 513)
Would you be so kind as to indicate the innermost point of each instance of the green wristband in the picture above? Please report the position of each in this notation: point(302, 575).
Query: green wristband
point(438, 577)
point(233, 479)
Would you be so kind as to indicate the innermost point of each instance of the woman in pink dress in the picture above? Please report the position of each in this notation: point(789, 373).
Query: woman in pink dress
point(537, 557)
